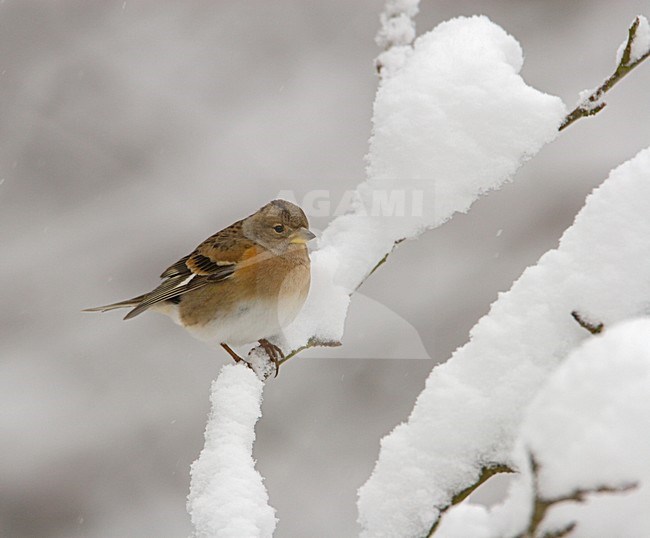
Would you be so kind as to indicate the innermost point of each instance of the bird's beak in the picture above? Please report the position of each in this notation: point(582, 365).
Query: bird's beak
point(301, 236)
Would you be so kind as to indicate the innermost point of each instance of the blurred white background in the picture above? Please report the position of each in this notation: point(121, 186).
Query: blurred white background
point(133, 130)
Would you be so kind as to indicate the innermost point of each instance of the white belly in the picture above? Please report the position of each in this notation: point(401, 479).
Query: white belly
point(249, 323)
point(252, 321)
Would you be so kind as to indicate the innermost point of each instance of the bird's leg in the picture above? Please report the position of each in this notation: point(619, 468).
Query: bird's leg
point(274, 353)
point(234, 355)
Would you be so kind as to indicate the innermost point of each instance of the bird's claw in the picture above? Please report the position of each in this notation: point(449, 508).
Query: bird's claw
point(274, 353)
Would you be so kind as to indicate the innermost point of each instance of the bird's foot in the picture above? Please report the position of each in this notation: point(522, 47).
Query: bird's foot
point(274, 353)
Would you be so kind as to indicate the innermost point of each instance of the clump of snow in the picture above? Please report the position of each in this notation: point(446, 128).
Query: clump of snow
point(456, 121)
point(398, 8)
point(467, 521)
point(396, 29)
point(586, 103)
point(227, 497)
point(260, 362)
point(472, 406)
point(640, 44)
point(396, 33)
point(588, 428)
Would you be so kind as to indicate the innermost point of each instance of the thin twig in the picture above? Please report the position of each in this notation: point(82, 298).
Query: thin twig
point(592, 104)
point(312, 342)
point(541, 504)
point(593, 328)
point(487, 472)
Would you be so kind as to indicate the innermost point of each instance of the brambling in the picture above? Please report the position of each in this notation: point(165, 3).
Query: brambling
point(241, 285)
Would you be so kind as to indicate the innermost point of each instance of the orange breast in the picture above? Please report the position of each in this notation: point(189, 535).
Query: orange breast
point(260, 276)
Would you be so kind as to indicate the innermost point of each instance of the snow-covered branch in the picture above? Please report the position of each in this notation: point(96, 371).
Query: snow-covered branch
point(470, 412)
point(582, 449)
point(396, 34)
point(227, 497)
point(455, 121)
point(487, 472)
point(630, 54)
point(452, 119)
point(541, 505)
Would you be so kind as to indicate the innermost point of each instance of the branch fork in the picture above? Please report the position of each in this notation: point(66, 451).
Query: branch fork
point(591, 100)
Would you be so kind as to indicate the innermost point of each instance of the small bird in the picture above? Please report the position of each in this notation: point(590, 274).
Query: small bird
point(241, 285)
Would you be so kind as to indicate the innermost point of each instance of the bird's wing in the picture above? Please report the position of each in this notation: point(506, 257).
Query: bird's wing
point(214, 260)
point(179, 268)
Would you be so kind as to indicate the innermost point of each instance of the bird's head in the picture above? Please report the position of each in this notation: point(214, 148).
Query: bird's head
point(278, 226)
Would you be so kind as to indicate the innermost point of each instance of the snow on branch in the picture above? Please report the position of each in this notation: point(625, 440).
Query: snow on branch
point(541, 504)
point(630, 54)
point(587, 433)
point(452, 119)
point(396, 33)
point(468, 416)
point(455, 121)
point(227, 497)
point(582, 447)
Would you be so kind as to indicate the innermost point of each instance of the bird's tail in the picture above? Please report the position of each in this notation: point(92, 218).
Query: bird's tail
point(129, 303)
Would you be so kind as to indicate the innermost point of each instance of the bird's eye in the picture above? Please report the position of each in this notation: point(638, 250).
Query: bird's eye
point(279, 228)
